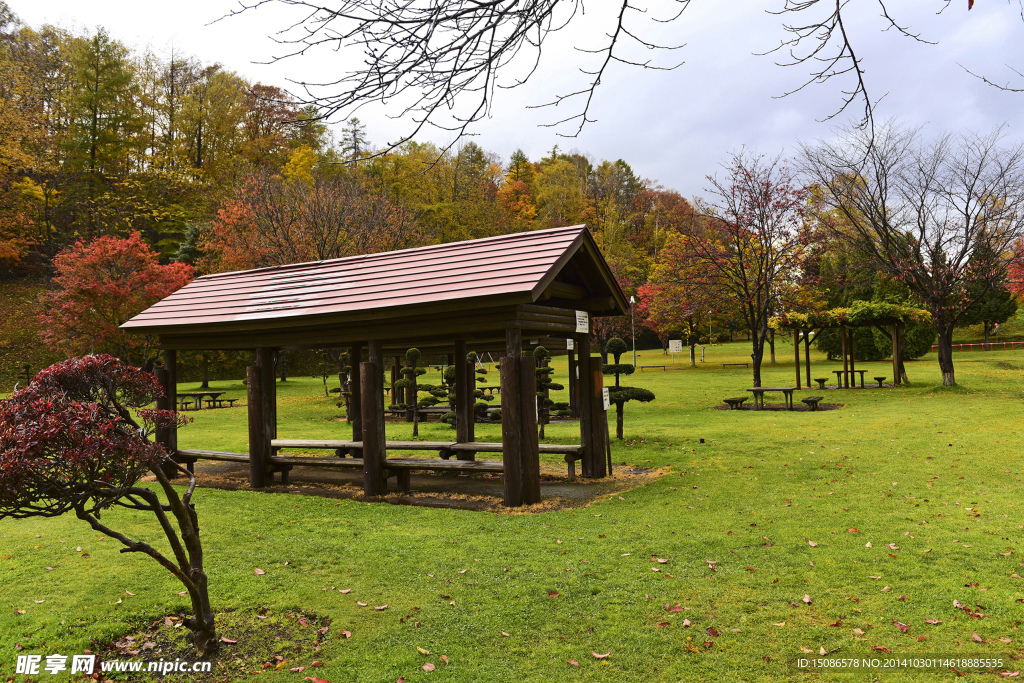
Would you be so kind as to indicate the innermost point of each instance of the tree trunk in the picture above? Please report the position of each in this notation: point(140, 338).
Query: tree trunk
point(206, 372)
point(282, 361)
point(987, 327)
point(693, 355)
point(204, 631)
point(758, 355)
point(946, 353)
point(771, 344)
point(619, 409)
point(900, 347)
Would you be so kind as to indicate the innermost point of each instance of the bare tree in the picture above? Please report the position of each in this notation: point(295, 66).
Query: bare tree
point(445, 60)
point(940, 215)
point(750, 244)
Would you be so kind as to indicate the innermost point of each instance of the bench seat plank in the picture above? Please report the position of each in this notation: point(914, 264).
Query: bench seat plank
point(212, 455)
point(314, 443)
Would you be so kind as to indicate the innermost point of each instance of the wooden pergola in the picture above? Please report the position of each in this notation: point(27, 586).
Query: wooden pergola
point(492, 294)
point(860, 314)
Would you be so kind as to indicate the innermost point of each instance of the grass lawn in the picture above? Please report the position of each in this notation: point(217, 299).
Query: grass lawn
point(784, 534)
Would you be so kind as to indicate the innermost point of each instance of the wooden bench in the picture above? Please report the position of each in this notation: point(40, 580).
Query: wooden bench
point(821, 381)
point(735, 403)
point(229, 401)
point(812, 401)
point(861, 373)
point(879, 380)
point(644, 367)
point(725, 365)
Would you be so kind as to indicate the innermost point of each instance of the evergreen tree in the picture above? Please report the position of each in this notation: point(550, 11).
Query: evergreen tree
point(618, 394)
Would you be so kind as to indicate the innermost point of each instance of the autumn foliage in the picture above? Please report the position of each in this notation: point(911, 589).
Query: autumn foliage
point(100, 285)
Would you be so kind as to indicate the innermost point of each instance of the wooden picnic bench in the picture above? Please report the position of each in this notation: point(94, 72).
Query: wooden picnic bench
point(861, 372)
point(746, 365)
point(879, 380)
point(759, 392)
point(821, 381)
point(643, 367)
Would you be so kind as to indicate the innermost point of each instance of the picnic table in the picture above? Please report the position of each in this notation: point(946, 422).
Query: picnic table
point(758, 392)
point(186, 397)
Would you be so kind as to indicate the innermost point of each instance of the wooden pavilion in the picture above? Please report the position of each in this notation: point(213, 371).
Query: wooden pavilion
point(492, 294)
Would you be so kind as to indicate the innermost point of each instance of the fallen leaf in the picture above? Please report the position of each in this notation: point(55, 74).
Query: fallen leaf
point(444, 659)
point(574, 662)
point(901, 626)
point(807, 599)
point(1004, 639)
point(851, 530)
point(229, 641)
point(686, 623)
point(347, 634)
point(812, 544)
point(297, 669)
point(504, 634)
point(346, 590)
point(553, 594)
point(933, 621)
point(868, 544)
point(422, 651)
point(381, 608)
point(428, 667)
point(886, 589)
point(879, 648)
point(664, 623)
point(807, 650)
point(858, 632)
point(661, 560)
point(976, 638)
point(597, 656)
point(781, 623)
point(1009, 674)
point(258, 572)
point(903, 597)
point(712, 631)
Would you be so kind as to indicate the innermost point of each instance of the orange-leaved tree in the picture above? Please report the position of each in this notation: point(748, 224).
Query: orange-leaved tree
point(100, 285)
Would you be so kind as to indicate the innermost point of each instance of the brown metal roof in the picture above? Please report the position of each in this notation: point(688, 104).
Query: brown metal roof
point(507, 269)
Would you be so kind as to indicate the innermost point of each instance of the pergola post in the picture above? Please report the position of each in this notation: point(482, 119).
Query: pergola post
point(519, 442)
point(163, 434)
point(171, 365)
point(573, 371)
point(355, 358)
point(796, 350)
point(259, 450)
point(464, 417)
point(599, 418)
point(584, 392)
point(374, 437)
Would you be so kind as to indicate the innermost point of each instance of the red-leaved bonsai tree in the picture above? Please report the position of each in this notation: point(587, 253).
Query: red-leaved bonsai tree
point(77, 439)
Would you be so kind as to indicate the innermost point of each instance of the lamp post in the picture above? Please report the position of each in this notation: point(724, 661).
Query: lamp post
point(632, 325)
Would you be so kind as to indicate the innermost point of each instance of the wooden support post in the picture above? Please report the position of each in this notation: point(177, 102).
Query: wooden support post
point(573, 401)
point(171, 365)
point(584, 392)
point(599, 423)
point(163, 434)
point(464, 417)
point(268, 401)
point(796, 350)
point(258, 443)
point(371, 375)
point(530, 453)
point(511, 432)
point(845, 384)
point(355, 357)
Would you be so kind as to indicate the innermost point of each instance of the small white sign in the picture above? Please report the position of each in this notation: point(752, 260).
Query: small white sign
point(582, 322)
point(606, 398)
point(570, 345)
point(675, 345)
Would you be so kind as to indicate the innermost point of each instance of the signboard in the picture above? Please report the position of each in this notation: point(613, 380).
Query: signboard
point(606, 398)
point(570, 344)
point(675, 345)
point(582, 322)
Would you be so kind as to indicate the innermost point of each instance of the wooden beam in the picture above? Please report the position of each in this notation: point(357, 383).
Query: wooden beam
point(258, 443)
point(530, 453)
point(573, 384)
point(171, 365)
point(355, 402)
point(511, 431)
point(599, 422)
point(268, 401)
point(374, 439)
point(564, 290)
point(584, 392)
point(465, 419)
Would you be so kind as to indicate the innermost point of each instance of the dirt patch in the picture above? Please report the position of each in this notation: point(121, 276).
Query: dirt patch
point(252, 641)
point(466, 491)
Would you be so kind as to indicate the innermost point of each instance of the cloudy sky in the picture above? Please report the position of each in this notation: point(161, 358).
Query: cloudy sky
point(675, 126)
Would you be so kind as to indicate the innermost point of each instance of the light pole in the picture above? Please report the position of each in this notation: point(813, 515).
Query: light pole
point(632, 326)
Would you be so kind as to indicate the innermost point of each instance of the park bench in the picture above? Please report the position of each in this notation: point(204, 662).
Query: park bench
point(879, 380)
point(812, 401)
point(219, 402)
point(861, 373)
point(821, 381)
point(725, 365)
point(735, 403)
point(759, 392)
point(644, 367)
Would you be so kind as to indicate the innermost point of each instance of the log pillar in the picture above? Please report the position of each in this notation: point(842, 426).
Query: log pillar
point(519, 423)
point(573, 401)
point(265, 363)
point(599, 421)
point(163, 434)
point(355, 358)
point(584, 392)
point(259, 445)
point(371, 374)
point(171, 365)
point(796, 350)
point(464, 414)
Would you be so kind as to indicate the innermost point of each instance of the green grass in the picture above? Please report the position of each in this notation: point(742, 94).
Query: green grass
point(925, 468)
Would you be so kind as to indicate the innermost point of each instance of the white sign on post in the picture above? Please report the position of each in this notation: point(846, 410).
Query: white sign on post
point(582, 322)
point(570, 345)
point(606, 398)
point(675, 345)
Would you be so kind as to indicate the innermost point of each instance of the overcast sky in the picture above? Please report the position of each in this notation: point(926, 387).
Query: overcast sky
point(674, 127)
